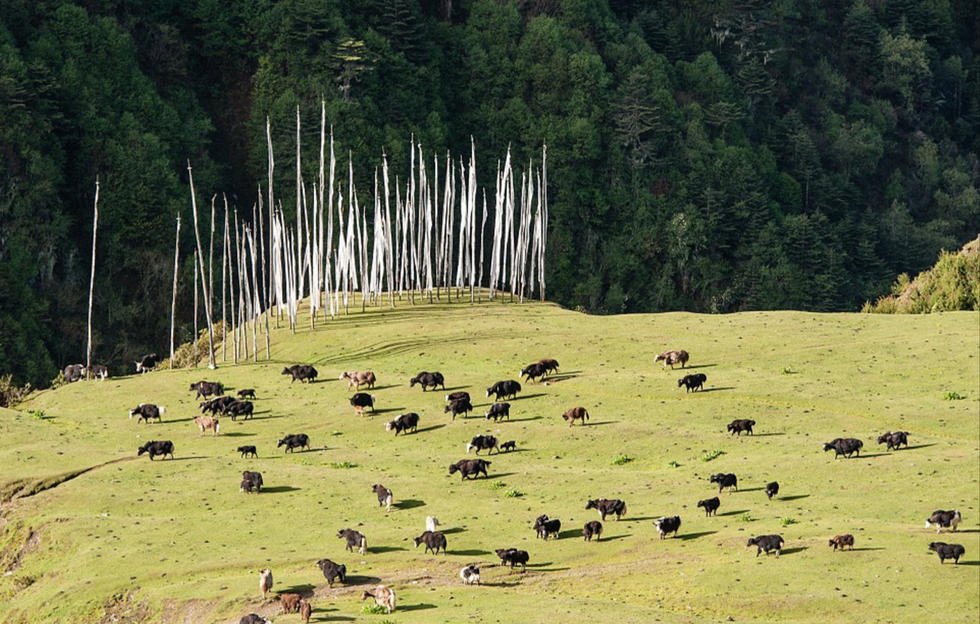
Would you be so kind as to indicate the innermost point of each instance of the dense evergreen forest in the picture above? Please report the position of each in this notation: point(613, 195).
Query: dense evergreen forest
point(705, 156)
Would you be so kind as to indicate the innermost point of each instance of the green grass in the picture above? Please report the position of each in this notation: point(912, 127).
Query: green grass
point(175, 541)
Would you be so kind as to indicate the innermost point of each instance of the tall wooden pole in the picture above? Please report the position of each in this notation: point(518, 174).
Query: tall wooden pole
point(173, 299)
point(91, 282)
point(204, 285)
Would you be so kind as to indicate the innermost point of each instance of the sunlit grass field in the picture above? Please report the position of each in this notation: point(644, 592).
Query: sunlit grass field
point(175, 541)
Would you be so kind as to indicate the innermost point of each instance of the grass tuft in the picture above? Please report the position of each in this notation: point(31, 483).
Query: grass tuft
point(622, 459)
point(711, 455)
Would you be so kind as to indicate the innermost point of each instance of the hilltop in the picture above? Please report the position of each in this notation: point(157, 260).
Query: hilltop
point(128, 540)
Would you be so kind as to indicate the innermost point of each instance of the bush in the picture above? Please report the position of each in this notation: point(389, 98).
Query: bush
point(622, 459)
point(374, 609)
point(952, 284)
point(10, 393)
point(787, 521)
point(514, 494)
point(184, 354)
point(710, 455)
point(343, 464)
point(953, 396)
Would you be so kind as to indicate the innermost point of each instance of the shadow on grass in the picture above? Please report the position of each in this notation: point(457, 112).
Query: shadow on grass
point(362, 580)
point(429, 428)
point(870, 455)
point(384, 549)
point(265, 417)
point(525, 419)
point(718, 389)
point(736, 512)
point(766, 435)
point(601, 423)
point(305, 590)
point(528, 396)
point(383, 387)
point(864, 549)
point(689, 367)
point(793, 551)
point(969, 563)
point(408, 503)
point(755, 489)
point(499, 475)
point(792, 498)
point(422, 606)
point(332, 618)
point(691, 536)
point(185, 458)
point(453, 530)
point(613, 538)
point(561, 377)
point(639, 519)
point(472, 552)
point(918, 446)
point(538, 567)
point(238, 434)
point(387, 410)
point(279, 489)
point(501, 584)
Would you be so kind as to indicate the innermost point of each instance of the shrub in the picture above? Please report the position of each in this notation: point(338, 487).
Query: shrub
point(343, 464)
point(953, 396)
point(514, 494)
point(622, 459)
point(787, 521)
point(710, 455)
point(10, 393)
point(373, 609)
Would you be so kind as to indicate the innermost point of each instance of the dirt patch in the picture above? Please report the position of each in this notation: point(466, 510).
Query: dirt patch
point(125, 609)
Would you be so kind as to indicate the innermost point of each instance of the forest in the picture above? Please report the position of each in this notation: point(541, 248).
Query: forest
point(704, 156)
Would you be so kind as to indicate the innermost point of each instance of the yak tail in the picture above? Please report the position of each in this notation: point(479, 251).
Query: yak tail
point(163, 410)
point(363, 545)
point(624, 509)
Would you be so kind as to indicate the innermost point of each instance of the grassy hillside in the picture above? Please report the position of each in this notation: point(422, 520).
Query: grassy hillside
point(174, 541)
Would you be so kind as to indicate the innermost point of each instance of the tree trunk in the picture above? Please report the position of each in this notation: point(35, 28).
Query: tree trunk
point(173, 299)
point(91, 282)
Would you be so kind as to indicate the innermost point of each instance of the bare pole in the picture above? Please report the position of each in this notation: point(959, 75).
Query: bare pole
point(91, 281)
point(173, 299)
point(196, 355)
point(211, 253)
point(207, 304)
point(224, 284)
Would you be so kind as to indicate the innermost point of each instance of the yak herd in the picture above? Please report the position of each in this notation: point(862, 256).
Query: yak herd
point(216, 405)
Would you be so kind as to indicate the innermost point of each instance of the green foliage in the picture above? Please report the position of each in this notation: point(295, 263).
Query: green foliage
point(373, 609)
point(738, 156)
point(513, 493)
point(343, 465)
point(10, 393)
point(711, 455)
point(952, 395)
point(622, 459)
point(952, 284)
point(787, 521)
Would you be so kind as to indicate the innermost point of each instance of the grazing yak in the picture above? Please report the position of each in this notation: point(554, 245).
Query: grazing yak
point(470, 575)
point(253, 618)
point(894, 439)
point(354, 540)
point(247, 450)
point(710, 505)
point(498, 411)
point(513, 556)
point(576, 413)
point(207, 389)
point(98, 371)
point(294, 441)
point(725, 480)
point(667, 524)
point(509, 445)
point(433, 540)
point(693, 383)
point(507, 389)
point(533, 371)
point(550, 365)
point(593, 528)
point(356, 379)
point(671, 358)
point(362, 400)
point(208, 423)
point(482, 443)
point(470, 468)
point(607, 506)
point(383, 595)
point(844, 446)
point(302, 372)
point(384, 495)
point(947, 551)
point(461, 395)
point(462, 406)
point(147, 363)
point(944, 519)
point(405, 422)
point(546, 527)
point(290, 602)
point(73, 372)
point(217, 405)
point(428, 380)
point(736, 427)
point(251, 482)
point(766, 543)
point(265, 581)
point(772, 489)
point(157, 447)
point(840, 541)
point(246, 393)
point(240, 408)
point(332, 571)
point(147, 411)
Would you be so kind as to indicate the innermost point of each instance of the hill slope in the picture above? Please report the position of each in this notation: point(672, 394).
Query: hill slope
point(175, 541)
